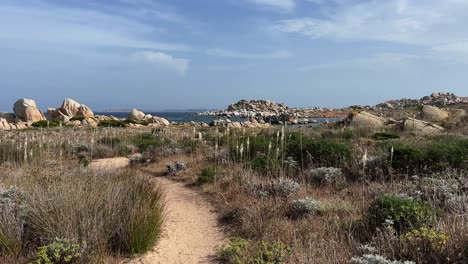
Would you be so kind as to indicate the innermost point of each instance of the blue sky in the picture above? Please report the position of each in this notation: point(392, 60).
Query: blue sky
point(177, 54)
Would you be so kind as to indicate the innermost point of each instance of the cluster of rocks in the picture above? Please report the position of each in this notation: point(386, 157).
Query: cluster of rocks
point(430, 118)
point(435, 99)
point(250, 123)
point(137, 115)
point(26, 113)
point(276, 113)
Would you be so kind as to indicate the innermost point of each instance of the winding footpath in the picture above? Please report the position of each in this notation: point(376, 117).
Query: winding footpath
point(191, 231)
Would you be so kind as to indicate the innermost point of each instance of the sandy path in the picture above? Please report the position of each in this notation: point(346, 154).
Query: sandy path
point(191, 233)
point(109, 164)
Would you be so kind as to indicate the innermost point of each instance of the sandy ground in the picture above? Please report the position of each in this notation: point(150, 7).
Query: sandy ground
point(191, 232)
point(112, 163)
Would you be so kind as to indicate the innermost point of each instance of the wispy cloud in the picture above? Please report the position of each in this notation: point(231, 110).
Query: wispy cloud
point(280, 54)
point(422, 23)
point(151, 9)
point(281, 5)
point(373, 61)
point(49, 25)
point(162, 59)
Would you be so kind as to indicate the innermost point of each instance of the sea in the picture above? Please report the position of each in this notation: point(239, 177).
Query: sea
point(180, 117)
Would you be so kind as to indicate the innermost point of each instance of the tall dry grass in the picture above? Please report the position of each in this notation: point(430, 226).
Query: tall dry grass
point(113, 212)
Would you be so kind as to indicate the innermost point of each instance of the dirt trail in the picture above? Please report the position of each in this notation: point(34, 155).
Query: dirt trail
point(191, 232)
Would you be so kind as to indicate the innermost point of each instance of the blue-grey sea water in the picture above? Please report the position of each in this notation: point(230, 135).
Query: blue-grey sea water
point(180, 117)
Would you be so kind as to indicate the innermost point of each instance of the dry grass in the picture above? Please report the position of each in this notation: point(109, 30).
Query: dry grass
point(114, 213)
point(333, 235)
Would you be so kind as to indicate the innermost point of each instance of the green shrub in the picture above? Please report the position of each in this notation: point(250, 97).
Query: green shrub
point(407, 157)
point(78, 118)
point(207, 175)
point(61, 251)
point(385, 136)
point(435, 154)
point(424, 243)
point(45, 124)
point(323, 152)
point(452, 150)
point(146, 141)
point(405, 213)
point(241, 251)
point(112, 123)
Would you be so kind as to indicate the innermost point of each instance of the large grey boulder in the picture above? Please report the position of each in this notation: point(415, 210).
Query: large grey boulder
point(27, 111)
point(9, 117)
point(72, 108)
point(136, 115)
point(411, 124)
point(367, 120)
point(433, 114)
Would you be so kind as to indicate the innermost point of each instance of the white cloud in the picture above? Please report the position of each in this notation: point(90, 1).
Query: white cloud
point(373, 61)
point(162, 59)
point(454, 47)
point(43, 25)
point(281, 54)
point(282, 5)
point(422, 23)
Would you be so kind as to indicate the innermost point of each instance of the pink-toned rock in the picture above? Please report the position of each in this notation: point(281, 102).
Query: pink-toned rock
point(27, 111)
point(72, 108)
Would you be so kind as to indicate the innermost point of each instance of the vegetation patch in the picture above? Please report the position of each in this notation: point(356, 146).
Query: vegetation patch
point(241, 251)
point(401, 212)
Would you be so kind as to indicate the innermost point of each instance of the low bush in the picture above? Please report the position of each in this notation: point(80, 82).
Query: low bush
point(241, 251)
point(146, 141)
point(385, 136)
point(278, 188)
point(424, 245)
point(376, 259)
point(434, 155)
point(404, 213)
point(112, 123)
point(320, 152)
point(78, 118)
point(174, 168)
point(46, 124)
point(207, 175)
point(303, 207)
point(61, 251)
point(13, 210)
point(326, 175)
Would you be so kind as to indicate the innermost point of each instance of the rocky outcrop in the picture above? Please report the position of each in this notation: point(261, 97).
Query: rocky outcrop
point(435, 99)
point(411, 124)
point(276, 113)
point(258, 106)
point(364, 119)
point(27, 111)
point(251, 123)
point(136, 115)
point(72, 109)
point(433, 114)
point(56, 115)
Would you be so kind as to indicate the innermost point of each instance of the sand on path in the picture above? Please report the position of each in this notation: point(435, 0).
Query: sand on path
point(191, 232)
